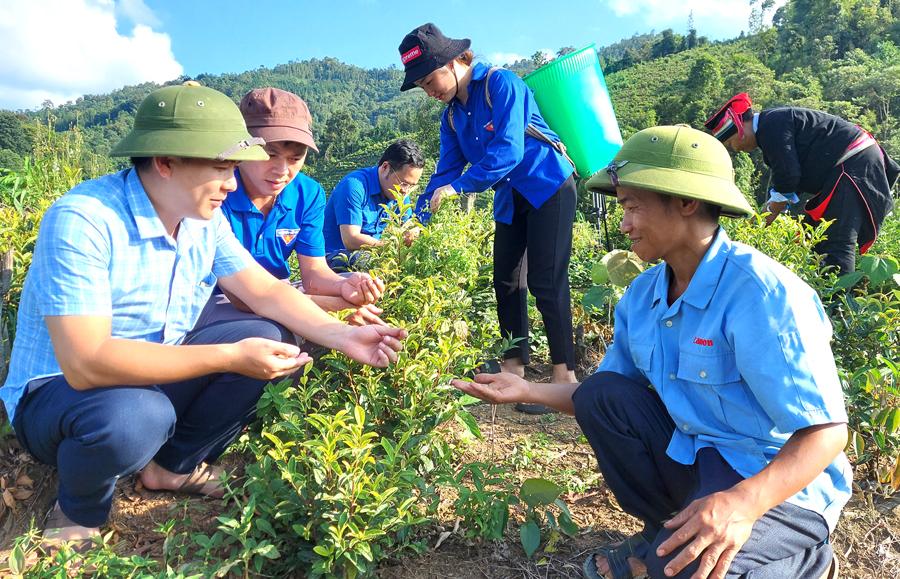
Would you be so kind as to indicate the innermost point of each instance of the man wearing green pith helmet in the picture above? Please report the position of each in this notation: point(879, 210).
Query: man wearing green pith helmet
point(109, 374)
point(716, 415)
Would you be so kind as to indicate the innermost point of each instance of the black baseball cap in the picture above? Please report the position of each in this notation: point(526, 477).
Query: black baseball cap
point(425, 50)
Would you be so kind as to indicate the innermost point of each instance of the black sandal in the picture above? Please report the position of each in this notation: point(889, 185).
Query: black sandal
point(617, 558)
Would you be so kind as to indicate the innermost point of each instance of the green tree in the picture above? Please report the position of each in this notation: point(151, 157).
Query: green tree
point(16, 134)
point(702, 89)
point(666, 45)
point(539, 59)
point(340, 134)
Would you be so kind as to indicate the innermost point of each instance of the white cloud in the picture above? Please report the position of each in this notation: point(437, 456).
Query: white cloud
point(138, 12)
point(501, 58)
point(62, 49)
point(717, 18)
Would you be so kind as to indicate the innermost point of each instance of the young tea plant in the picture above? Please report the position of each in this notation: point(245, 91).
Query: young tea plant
point(543, 505)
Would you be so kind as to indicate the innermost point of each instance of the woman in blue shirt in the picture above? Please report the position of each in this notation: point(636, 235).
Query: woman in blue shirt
point(484, 126)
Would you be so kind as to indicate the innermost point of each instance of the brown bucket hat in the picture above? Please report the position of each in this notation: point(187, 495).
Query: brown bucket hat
point(278, 115)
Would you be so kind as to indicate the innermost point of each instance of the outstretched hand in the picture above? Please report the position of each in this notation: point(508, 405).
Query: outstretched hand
point(375, 345)
point(774, 208)
point(266, 359)
point(502, 388)
point(439, 194)
point(360, 289)
point(367, 314)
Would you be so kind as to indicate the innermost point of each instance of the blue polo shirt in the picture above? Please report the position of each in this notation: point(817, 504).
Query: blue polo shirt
point(357, 200)
point(493, 141)
point(741, 361)
point(293, 224)
point(103, 251)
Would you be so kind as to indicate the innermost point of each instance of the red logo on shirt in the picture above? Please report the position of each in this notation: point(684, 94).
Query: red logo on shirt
point(412, 53)
point(287, 235)
point(489, 127)
point(703, 342)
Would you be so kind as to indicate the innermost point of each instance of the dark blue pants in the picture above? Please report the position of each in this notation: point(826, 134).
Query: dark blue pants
point(629, 429)
point(347, 261)
point(96, 436)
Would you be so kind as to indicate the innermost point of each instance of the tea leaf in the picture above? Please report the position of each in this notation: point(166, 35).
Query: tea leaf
point(530, 535)
point(471, 424)
point(539, 492)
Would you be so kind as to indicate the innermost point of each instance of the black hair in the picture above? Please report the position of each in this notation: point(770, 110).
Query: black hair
point(711, 210)
point(402, 152)
point(142, 163)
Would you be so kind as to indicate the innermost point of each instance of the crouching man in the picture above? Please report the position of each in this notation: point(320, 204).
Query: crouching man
point(716, 415)
point(108, 373)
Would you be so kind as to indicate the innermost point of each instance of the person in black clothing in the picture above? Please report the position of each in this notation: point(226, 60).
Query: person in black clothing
point(847, 174)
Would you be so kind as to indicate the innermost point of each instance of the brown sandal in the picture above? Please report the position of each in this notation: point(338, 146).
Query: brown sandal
point(57, 527)
point(204, 480)
point(832, 571)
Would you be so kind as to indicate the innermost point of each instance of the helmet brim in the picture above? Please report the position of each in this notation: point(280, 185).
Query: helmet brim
point(188, 143)
point(708, 188)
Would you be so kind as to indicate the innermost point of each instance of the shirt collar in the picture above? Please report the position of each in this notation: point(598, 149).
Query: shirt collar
point(189, 232)
point(706, 278)
point(479, 71)
point(239, 201)
point(755, 122)
point(373, 185)
point(146, 219)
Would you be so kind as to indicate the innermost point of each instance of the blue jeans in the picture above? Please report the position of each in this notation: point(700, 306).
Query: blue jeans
point(628, 428)
point(94, 437)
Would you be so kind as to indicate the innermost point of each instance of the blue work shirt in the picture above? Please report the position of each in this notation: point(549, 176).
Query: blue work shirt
point(493, 141)
point(357, 200)
point(294, 223)
point(741, 361)
point(103, 251)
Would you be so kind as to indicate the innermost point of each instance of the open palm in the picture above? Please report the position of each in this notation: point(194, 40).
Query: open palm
point(502, 388)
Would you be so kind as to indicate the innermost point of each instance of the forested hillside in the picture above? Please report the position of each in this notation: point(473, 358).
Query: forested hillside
point(352, 471)
point(839, 56)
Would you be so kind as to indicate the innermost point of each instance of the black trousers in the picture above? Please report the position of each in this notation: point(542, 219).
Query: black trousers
point(532, 253)
point(858, 197)
point(629, 429)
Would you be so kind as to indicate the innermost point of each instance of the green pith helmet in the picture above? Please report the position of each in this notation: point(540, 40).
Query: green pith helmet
point(190, 120)
point(678, 161)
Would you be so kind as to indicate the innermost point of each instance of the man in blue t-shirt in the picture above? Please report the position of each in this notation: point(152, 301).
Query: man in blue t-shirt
point(357, 211)
point(716, 416)
point(277, 210)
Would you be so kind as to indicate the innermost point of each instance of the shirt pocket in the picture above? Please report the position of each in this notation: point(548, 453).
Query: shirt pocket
point(202, 291)
point(711, 369)
point(719, 393)
point(642, 356)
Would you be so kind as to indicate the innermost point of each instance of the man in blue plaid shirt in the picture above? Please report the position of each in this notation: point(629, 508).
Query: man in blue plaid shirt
point(109, 374)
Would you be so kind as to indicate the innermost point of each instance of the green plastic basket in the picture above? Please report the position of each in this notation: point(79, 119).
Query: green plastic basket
point(574, 101)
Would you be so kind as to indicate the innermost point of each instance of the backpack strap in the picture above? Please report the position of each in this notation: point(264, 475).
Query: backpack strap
point(530, 130)
point(487, 97)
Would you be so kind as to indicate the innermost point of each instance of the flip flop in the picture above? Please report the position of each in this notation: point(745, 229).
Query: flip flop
point(832, 571)
point(57, 525)
point(205, 480)
point(617, 558)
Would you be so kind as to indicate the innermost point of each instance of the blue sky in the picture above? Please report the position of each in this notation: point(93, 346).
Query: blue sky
point(61, 49)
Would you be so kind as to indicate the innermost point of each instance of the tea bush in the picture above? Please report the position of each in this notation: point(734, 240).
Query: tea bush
point(345, 461)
